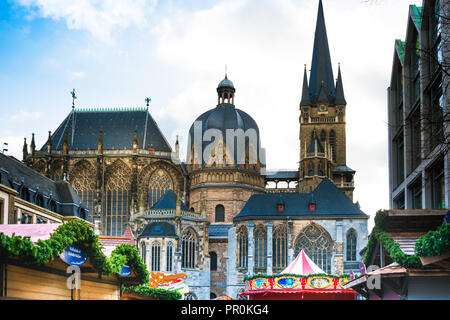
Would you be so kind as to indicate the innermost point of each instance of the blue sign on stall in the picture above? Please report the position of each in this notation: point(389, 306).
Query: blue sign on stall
point(125, 271)
point(74, 255)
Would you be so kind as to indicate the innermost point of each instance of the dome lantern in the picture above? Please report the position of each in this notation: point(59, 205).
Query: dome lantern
point(226, 91)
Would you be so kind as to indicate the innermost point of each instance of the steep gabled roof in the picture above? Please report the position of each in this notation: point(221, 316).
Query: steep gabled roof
point(118, 126)
point(330, 202)
point(321, 69)
point(169, 201)
point(340, 98)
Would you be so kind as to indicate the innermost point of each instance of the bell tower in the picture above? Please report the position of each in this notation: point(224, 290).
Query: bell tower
point(322, 121)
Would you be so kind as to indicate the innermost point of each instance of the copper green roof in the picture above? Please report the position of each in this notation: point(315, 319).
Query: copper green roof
point(400, 47)
point(416, 13)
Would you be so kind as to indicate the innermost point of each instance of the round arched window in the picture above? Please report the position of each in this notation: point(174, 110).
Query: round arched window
point(220, 213)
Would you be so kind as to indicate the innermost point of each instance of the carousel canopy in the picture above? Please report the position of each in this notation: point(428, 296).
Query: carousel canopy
point(302, 265)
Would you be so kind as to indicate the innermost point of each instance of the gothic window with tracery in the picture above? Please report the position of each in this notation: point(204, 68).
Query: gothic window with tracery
point(260, 236)
point(279, 247)
point(189, 249)
point(144, 253)
point(160, 183)
point(333, 144)
point(242, 241)
point(311, 169)
point(83, 182)
point(156, 256)
point(320, 169)
point(117, 201)
point(351, 245)
point(317, 244)
point(169, 257)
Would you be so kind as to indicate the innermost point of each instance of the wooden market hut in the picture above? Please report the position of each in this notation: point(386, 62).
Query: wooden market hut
point(407, 257)
point(29, 271)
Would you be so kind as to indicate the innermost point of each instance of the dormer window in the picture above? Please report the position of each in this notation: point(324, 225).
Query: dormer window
point(280, 205)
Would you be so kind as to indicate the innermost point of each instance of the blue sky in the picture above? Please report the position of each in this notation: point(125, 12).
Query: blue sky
point(117, 52)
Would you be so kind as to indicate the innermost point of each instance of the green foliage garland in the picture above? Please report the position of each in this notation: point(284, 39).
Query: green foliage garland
point(378, 235)
point(65, 235)
point(145, 290)
point(434, 243)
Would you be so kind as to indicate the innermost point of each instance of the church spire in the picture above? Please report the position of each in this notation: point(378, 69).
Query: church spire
point(306, 100)
point(340, 99)
point(321, 69)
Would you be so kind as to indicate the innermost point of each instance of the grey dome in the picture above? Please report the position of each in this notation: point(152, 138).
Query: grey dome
point(226, 83)
point(225, 116)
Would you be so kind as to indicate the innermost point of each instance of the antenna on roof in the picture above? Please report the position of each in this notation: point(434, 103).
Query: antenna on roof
point(73, 98)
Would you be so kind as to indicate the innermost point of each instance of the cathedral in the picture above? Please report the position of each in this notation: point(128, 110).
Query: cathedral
point(214, 216)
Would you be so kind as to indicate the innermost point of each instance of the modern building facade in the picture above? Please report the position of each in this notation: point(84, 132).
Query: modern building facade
point(418, 105)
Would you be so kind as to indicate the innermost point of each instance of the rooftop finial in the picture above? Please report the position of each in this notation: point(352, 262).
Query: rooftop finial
point(148, 100)
point(226, 72)
point(73, 98)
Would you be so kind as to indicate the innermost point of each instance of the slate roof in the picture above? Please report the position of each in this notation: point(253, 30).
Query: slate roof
point(219, 230)
point(224, 116)
point(330, 202)
point(282, 175)
point(16, 175)
point(340, 97)
point(315, 141)
point(158, 229)
point(321, 69)
point(226, 83)
point(169, 201)
point(342, 169)
point(118, 130)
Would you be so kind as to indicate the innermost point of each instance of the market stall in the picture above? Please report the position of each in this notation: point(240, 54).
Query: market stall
point(63, 262)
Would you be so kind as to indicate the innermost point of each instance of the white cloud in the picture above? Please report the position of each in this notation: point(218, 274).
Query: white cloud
point(14, 147)
point(99, 17)
point(78, 75)
point(22, 116)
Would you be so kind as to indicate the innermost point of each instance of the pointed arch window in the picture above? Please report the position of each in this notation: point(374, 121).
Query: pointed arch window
point(189, 249)
point(260, 236)
point(160, 183)
point(317, 244)
point(311, 169)
point(156, 256)
point(144, 253)
point(320, 169)
point(169, 257)
point(117, 201)
point(83, 182)
point(213, 264)
point(333, 144)
point(323, 135)
point(220, 213)
point(279, 247)
point(351, 245)
point(242, 241)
